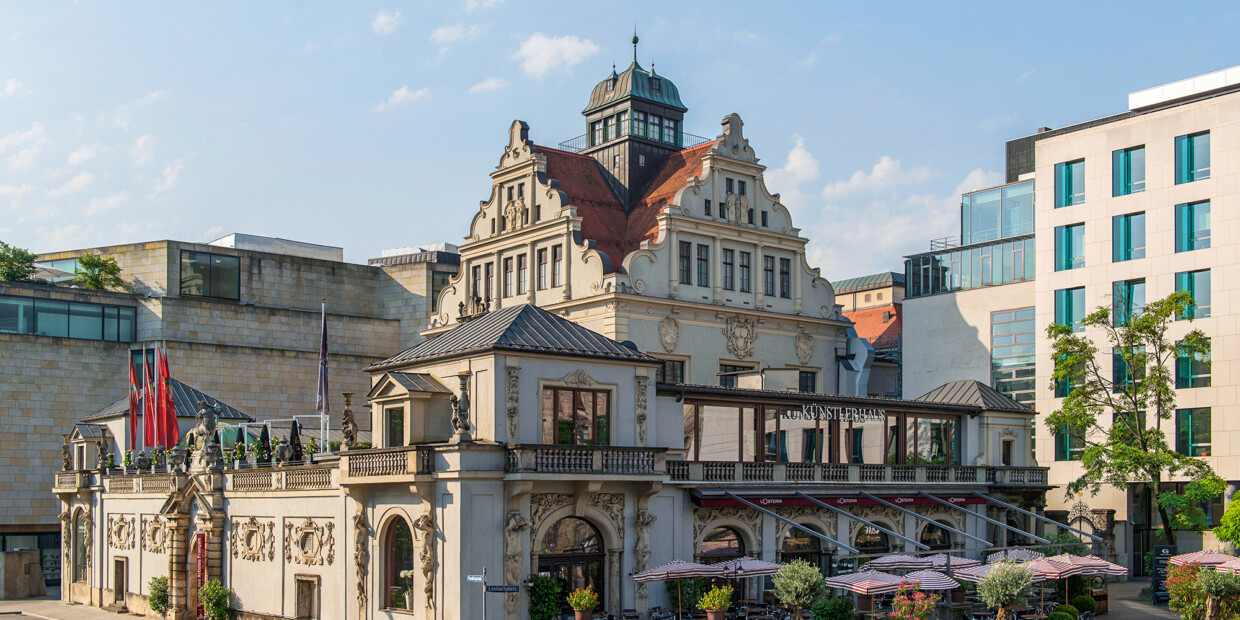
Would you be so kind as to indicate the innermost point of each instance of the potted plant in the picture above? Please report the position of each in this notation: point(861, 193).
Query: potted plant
point(406, 577)
point(716, 602)
point(158, 599)
point(128, 462)
point(799, 584)
point(910, 603)
point(1006, 585)
point(583, 601)
point(962, 588)
point(238, 454)
point(214, 598)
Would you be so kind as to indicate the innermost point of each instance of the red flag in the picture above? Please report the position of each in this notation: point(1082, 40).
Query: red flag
point(133, 406)
point(172, 433)
point(148, 402)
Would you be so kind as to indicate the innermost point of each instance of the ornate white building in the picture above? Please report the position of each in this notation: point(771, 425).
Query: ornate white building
point(635, 364)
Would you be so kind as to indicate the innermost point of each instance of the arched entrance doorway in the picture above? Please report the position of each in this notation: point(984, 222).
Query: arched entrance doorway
point(936, 537)
point(572, 552)
point(799, 544)
point(720, 545)
point(872, 540)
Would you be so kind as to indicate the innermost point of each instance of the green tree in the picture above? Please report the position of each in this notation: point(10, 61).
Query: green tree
point(16, 264)
point(799, 584)
point(1228, 528)
point(98, 273)
point(1119, 399)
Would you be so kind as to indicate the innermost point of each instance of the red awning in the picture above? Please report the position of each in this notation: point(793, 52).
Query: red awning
point(707, 500)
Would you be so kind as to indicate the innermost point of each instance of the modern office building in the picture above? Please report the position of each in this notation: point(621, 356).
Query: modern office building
point(1127, 208)
point(633, 364)
point(241, 321)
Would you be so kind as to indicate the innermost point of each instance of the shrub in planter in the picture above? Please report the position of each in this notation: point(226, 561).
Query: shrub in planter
point(158, 599)
point(583, 599)
point(544, 598)
point(834, 609)
point(215, 598)
point(1068, 609)
point(1086, 604)
point(799, 584)
point(685, 592)
point(1222, 592)
point(1059, 615)
point(1006, 585)
point(911, 603)
point(1184, 593)
point(716, 601)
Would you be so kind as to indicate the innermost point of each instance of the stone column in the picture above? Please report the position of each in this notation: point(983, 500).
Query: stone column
point(674, 262)
point(716, 269)
point(797, 273)
point(568, 265)
point(498, 259)
point(178, 566)
point(531, 274)
point(758, 277)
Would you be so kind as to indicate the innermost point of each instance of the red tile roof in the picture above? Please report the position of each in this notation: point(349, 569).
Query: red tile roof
point(869, 322)
point(604, 220)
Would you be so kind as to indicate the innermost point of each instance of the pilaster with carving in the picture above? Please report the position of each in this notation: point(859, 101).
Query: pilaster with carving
point(512, 400)
point(642, 522)
point(427, 558)
point(639, 408)
point(361, 556)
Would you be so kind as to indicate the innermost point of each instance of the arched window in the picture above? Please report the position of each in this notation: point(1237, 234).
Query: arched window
point(872, 540)
point(397, 559)
point(799, 544)
point(721, 544)
point(936, 537)
point(1013, 538)
point(79, 546)
point(572, 551)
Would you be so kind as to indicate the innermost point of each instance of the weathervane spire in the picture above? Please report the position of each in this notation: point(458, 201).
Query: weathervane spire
point(635, 39)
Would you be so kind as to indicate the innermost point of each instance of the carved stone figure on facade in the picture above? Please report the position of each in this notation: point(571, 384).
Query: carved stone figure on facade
point(473, 308)
point(460, 412)
point(639, 408)
point(512, 399)
point(348, 425)
point(738, 209)
point(515, 214)
point(283, 451)
point(740, 332)
point(669, 333)
point(66, 455)
point(361, 556)
point(641, 550)
point(142, 461)
point(203, 437)
point(426, 525)
point(512, 557)
point(101, 454)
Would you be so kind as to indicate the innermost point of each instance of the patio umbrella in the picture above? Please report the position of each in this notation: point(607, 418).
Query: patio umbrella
point(1093, 565)
point(974, 574)
point(743, 568)
point(1053, 569)
point(898, 562)
point(1231, 566)
point(678, 569)
point(931, 580)
point(866, 582)
point(1019, 555)
point(1204, 558)
point(941, 561)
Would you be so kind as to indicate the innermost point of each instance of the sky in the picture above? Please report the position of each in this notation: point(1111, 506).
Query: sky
point(374, 125)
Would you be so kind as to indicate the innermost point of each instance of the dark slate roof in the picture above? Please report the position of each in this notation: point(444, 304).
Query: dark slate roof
point(414, 382)
point(89, 431)
point(635, 82)
point(976, 393)
point(750, 395)
point(876, 280)
point(525, 328)
point(186, 399)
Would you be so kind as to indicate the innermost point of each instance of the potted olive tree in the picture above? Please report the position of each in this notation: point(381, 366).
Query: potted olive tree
point(716, 602)
point(1006, 585)
point(799, 584)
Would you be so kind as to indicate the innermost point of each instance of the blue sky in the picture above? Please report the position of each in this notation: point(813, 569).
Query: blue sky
point(374, 125)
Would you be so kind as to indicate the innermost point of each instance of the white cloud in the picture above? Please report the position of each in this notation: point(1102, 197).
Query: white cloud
point(15, 192)
point(83, 153)
point(13, 86)
point(74, 185)
point(143, 149)
point(68, 236)
point(169, 179)
point(486, 4)
point(103, 204)
point(488, 85)
point(385, 22)
point(885, 174)
point(124, 113)
point(402, 96)
point(28, 143)
point(446, 34)
point(799, 168)
point(1026, 75)
point(978, 179)
point(211, 234)
point(541, 54)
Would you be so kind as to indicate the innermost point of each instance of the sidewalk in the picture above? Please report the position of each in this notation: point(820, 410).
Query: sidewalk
point(1124, 604)
point(52, 609)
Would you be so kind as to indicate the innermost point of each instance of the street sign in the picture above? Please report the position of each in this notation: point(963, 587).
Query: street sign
point(1162, 557)
point(474, 578)
point(503, 588)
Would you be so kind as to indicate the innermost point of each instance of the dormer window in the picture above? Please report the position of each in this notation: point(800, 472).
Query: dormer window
point(611, 85)
point(656, 84)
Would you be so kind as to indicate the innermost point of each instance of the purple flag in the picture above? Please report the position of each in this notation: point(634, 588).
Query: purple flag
point(321, 401)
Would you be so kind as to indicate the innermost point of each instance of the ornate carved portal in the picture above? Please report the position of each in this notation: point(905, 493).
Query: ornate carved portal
point(639, 408)
point(309, 543)
point(669, 333)
point(512, 386)
point(740, 332)
point(251, 540)
point(586, 503)
point(706, 519)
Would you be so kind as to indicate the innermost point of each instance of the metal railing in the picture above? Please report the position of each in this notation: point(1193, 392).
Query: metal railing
point(550, 459)
point(582, 142)
point(751, 472)
point(942, 243)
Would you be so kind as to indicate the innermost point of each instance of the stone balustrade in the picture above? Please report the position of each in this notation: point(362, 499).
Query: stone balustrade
point(382, 464)
point(750, 472)
point(611, 460)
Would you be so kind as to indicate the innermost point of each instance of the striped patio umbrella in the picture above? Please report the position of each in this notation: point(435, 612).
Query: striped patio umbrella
point(1053, 569)
point(931, 580)
point(678, 569)
point(866, 582)
point(974, 574)
point(1093, 565)
point(1204, 558)
point(941, 560)
point(1231, 566)
point(1018, 555)
point(898, 562)
point(744, 568)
